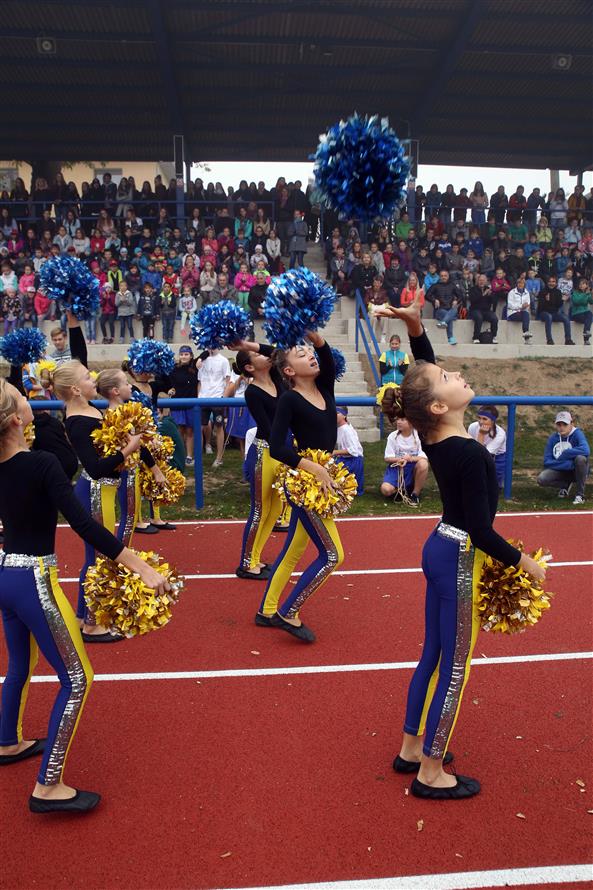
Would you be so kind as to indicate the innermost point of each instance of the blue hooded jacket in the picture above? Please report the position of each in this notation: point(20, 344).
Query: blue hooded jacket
point(561, 451)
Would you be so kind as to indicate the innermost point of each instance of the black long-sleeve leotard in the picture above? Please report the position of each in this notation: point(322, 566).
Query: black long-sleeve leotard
point(33, 488)
point(312, 427)
point(262, 405)
point(466, 477)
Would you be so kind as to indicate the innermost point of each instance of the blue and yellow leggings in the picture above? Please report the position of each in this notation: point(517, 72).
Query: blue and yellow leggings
point(452, 568)
point(36, 615)
point(305, 526)
point(98, 497)
point(266, 506)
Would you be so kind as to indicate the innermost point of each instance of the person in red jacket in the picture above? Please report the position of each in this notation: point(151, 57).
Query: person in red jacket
point(107, 320)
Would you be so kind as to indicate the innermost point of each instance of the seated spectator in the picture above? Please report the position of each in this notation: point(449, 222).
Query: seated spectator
point(487, 263)
point(377, 259)
point(431, 277)
point(420, 263)
point(258, 254)
point(374, 297)
point(394, 362)
point(223, 290)
point(207, 282)
point(340, 268)
point(480, 309)
point(565, 286)
point(412, 290)
point(407, 465)
point(566, 459)
point(126, 310)
point(549, 309)
point(488, 433)
point(445, 298)
point(394, 281)
point(362, 276)
point(543, 232)
point(454, 262)
point(518, 305)
point(348, 449)
point(581, 302)
point(534, 286)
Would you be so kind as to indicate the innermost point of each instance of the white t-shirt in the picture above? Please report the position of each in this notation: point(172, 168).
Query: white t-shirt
point(496, 445)
point(347, 440)
point(213, 376)
point(398, 445)
point(240, 391)
point(249, 437)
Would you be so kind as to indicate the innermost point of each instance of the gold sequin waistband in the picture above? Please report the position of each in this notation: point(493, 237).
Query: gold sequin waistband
point(451, 533)
point(26, 561)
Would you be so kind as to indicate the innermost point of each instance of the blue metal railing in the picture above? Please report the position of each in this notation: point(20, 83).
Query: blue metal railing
point(197, 404)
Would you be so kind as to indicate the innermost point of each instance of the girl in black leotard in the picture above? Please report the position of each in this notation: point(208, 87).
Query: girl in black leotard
point(434, 401)
point(261, 396)
point(35, 612)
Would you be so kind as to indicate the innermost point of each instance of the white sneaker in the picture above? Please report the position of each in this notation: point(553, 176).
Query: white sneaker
point(475, 341)
point(217, 463)
point(189, 461)
point(527, 336)
point(209, 449)
point(495, 340)
point(579, 499)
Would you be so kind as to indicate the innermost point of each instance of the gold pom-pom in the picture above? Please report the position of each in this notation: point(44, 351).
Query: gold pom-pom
point(509, 600)
point(162, 493)
point(305, 491)
point(45, 364)
point(29, 434)
point(122, 602)
point(130, 419)
point(162, 448)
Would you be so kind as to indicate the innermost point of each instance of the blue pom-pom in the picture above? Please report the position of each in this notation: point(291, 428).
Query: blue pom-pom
point(69, 280)
point(360, 168)
point(151, 357)
point(219, 324)
point(23, 346)
point(146, 401)
point(339, 362)
point(296, 301)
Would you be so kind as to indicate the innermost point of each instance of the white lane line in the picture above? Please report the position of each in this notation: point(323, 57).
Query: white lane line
point(347, 572)
point(434, 516)
point(469, 880)
point(316, 669)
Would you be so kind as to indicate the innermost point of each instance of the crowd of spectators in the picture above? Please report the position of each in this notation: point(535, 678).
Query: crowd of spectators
point(466, 254)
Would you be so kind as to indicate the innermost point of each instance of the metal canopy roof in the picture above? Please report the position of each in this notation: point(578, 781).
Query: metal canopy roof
point(484, 82)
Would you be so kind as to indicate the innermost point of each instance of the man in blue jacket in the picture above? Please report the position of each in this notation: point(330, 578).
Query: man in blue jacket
point(566, 458)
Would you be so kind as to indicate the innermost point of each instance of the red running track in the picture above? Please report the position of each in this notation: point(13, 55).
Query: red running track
point(291, 774)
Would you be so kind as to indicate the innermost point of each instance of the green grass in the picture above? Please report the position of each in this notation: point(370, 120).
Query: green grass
point(226, 498)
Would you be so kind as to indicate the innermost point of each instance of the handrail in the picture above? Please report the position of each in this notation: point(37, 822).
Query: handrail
point(361, 311)
point(197, 404)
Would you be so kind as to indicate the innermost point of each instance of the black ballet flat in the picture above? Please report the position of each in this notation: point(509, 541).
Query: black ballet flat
point(149, 530)
point(32, 751)
point(465, 788)
point(281, 528)
point(263, 620)
point(246, 575)
point(164, 526)
point(102, 638)
point(412, 766)
point(302, 632)
point(82, 802)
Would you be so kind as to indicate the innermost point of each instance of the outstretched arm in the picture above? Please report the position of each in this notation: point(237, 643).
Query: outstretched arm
point(410, 315)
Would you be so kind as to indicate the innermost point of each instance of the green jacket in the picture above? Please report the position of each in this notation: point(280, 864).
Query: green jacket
point(168, 427)
point(580, 302)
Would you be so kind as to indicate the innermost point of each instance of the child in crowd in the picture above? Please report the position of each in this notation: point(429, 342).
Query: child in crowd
point(187, 307)
point(407, 465)
point(348, 450)
point(126, 309)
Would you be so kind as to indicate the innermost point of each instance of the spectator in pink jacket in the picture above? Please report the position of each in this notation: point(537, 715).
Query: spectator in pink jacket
point(108, 310)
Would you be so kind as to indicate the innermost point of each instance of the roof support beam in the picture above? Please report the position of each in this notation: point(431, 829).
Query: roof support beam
point(445, 66)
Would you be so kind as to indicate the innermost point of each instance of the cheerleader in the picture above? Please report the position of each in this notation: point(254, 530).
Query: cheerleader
point(36, 614)
point(254, 360)
point(150, 386)
point(113, 385)
point(434, 401)
point(308, 409)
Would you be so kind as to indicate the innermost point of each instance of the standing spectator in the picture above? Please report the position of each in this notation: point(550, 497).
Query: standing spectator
point(534, 286)
point(167, 307)
point(479, 202)
point(11, 309)
point(549, 309)
point(147, 309)
point(534, 203)
point(244, 281)
point(498, 204)
point(517, 204)
point(340, 269)
point(283, 218)
point(124, 196)
point(558, 210)
point(273, 252)
point(28, 311)
point(580, 311)
point(207, 282)
point(448, 199)
point(394, 362)
point(518, 305)
point(577, 204)
point(214, 376)
point(348, 450)
point(407, 465)
point(297, 234)
point(566, 459)
point(433, 202)
point(126, 309)
point(480, 309)
point(187, 307)
point(462, 205)
point(488, 433)
point(445, 298)
point(257, 295)
point(107, 306)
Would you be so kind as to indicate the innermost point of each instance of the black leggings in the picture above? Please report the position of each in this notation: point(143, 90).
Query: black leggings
point(107, 321)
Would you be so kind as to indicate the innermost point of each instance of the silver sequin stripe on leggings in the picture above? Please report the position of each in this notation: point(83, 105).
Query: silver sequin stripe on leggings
point(130, 507)
point(67, 651)
point(463, 636)
point(322, 574)
point(261, 445)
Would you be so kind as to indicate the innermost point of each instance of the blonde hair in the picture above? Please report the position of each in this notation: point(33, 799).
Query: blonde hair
point(55, 331)
point(65, 377)
point(8, 407)
point(108, 380)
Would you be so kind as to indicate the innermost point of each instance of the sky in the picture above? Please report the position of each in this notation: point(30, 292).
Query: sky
point(231, 172)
